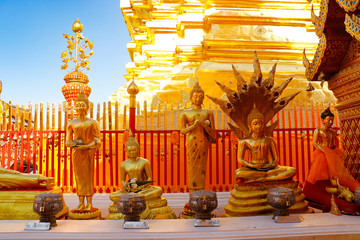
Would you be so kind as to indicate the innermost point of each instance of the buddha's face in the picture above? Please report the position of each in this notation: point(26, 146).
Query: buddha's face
point(197, 98)
point(132, 151)
point(81, 108)
point(257, 126)
point(328, 121)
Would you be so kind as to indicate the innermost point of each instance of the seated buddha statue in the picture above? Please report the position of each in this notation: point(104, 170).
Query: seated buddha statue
point(14, 180)
point(328, 158)
point(251, 106)
point(328, 174)
point(138, 169)
point(262, 164)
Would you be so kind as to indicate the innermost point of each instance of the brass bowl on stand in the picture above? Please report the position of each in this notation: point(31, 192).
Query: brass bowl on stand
point(281, 199)
point(47, 205)
point(203, 203)
point(131, 205)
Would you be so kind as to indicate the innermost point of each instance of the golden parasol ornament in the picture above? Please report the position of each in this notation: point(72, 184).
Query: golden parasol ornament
point(79, 49)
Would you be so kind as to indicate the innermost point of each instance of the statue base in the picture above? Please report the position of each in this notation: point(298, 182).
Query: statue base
point(155, 209)
point(93, 214)
point(18, 204)
point(319, 198)
point(188, 213)
point(250, 199)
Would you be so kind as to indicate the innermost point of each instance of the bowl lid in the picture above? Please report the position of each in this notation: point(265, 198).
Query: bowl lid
point(202, 193)
point(131, 197)
point(281, 190)
point(48, 197)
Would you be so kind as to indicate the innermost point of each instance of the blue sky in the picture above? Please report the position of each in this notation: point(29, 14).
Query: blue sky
point(31, 42)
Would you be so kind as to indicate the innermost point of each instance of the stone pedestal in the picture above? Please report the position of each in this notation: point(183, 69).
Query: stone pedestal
point(19, 204)
point(250, 199)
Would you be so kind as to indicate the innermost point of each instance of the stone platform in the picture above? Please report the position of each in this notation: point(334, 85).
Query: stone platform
point(315, 226)
point(320, 226)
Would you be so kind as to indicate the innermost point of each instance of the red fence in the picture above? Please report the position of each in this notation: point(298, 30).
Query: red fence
point(165, 149)
point(167, 157)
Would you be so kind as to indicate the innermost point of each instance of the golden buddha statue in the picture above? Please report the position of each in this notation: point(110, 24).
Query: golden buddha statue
point(328, 158)
point(83, 136)
point(138, 171)
point(14, 180)
point(198, 124)
point(16, 201)
point(251, 107)
point(263, 154)
point(328, 175)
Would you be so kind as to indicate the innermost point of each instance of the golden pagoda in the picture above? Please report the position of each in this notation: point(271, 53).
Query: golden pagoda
point(173, 42)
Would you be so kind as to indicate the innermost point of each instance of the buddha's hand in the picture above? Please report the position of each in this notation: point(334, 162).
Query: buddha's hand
point(136, 189)
point(81, 147)
point(203, 120)
point(270, 165)
point(266, 166)
point(249, 164)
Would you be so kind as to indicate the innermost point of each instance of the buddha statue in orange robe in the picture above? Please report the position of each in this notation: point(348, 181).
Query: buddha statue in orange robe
point(328, 159)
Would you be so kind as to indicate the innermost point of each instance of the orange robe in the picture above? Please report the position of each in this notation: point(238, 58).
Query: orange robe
point(83, 159)
point(328, 164)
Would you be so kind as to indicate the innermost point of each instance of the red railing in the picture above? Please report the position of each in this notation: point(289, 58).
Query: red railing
point(164, 148)
point(47, 151)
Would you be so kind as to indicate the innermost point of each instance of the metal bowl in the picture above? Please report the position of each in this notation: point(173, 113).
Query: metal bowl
point(203, 203)
point(47, 205)
point(131, 205)
point(281, 199)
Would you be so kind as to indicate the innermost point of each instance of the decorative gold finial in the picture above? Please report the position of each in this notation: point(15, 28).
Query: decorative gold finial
point(131, 141)
point(196, 88)
point(133, 89)
point(254, 114)
point(82, 97)
point(79, 44)
point(77, 27)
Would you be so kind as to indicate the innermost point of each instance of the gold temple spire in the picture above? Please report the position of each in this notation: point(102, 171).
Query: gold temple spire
point(79, 44)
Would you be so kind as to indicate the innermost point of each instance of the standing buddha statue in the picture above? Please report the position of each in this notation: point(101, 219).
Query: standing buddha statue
point(83, 136)
point(136, 176)
point(251, 107)
point(198, 124)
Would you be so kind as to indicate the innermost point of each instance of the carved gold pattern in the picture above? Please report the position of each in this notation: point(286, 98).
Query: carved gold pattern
point(312, 68)
point(348, 5)
point(351, 144)
point(352, 26)
point(352, 54)
point(333, 43)
point(346, 86)
point(319, 21)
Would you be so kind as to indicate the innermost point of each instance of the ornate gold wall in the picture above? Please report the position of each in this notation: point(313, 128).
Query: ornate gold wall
point(172, 40)
point(346, 87)
point(337, 60)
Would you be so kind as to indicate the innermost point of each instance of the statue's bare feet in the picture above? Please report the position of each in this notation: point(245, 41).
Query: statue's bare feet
point(88, 207)
point(80, 207)
point(46, 182)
